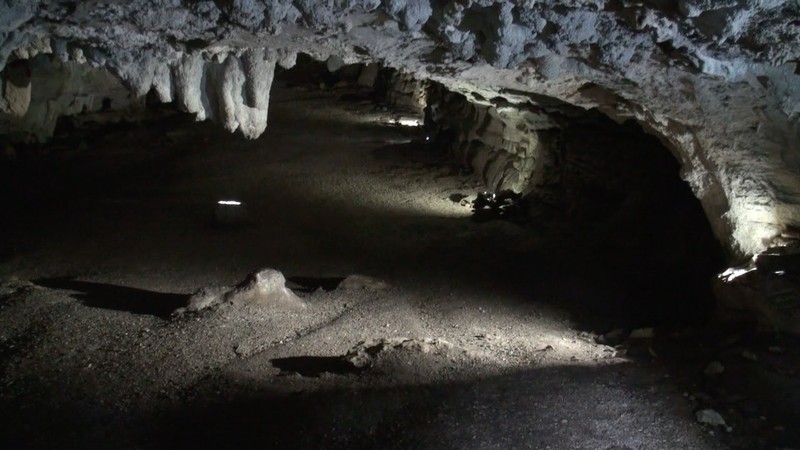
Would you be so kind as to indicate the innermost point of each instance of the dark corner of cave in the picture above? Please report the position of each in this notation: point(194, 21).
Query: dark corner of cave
point(408, 224)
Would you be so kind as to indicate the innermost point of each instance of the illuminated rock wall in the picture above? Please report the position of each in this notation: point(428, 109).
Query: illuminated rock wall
point(509, 147)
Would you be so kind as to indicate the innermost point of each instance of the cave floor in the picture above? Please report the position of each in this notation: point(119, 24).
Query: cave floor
point(470, 344)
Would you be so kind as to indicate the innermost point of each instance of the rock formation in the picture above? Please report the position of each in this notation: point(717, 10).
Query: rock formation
point(265, 288)
point(716, 81)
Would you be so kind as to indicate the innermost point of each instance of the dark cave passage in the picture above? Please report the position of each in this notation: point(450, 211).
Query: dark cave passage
point(632, 236)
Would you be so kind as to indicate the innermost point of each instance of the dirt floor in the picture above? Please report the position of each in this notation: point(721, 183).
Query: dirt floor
point(484, 335)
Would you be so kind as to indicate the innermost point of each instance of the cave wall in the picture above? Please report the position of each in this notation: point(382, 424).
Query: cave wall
point(510, 148)
point(405, 93)
point(715, 80)
point(57, 89)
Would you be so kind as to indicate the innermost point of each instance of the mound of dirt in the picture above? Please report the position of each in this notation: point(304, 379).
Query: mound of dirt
point(267, 288)
point(414, 358)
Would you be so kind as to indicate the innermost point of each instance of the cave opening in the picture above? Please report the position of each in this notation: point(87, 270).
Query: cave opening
point(624, 204)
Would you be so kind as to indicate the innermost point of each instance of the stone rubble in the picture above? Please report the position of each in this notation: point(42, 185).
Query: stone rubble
point(710, 417)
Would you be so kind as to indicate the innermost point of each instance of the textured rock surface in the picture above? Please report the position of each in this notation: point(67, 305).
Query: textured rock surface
point(61, 89)
point(763, 293)
point(509, 147)
point(265, 288)
point(17, 87)
point(715, 80)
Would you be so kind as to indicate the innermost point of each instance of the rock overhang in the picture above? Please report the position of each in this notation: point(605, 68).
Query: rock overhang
point(715, 81)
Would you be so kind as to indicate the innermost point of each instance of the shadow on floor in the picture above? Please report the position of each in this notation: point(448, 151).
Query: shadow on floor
point(516, 410)
point(605, 407)
point(120, 298)
point(314, 366)
point(311, 284)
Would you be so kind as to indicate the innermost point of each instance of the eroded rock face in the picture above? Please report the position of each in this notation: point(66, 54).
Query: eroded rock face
point(715, 80)
point(511, 148)
point(61, 89)
point(17, 87)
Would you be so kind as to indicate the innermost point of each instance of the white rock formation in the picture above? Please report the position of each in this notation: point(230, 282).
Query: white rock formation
point(715, 80)
point(265, 288)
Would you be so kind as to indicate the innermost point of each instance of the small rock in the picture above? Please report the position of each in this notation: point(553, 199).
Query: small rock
point(642, 333)
point(369, 353)
point(613, 337)
point(362, 282)
point(748, 355)
point(334, 63)
point(776, 349)
point(714, 368)
point(241, 349)
point(456, 198)
point(710, 417)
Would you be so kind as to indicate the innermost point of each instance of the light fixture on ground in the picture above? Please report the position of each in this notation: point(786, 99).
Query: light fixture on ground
point(407, 122)
point(230, 213)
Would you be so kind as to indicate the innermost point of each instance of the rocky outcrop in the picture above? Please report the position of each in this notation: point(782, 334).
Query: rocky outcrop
point(61, 89)
point(715, 80)
point(263, 289)
point(764, 293)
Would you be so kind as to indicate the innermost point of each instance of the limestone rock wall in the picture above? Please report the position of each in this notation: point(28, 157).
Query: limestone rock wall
point(717, 81)
point(61, 89)
point(407, 93)
point(510, 148)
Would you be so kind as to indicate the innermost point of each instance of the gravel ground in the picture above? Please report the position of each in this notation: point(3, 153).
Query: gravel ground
point(468, 345)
